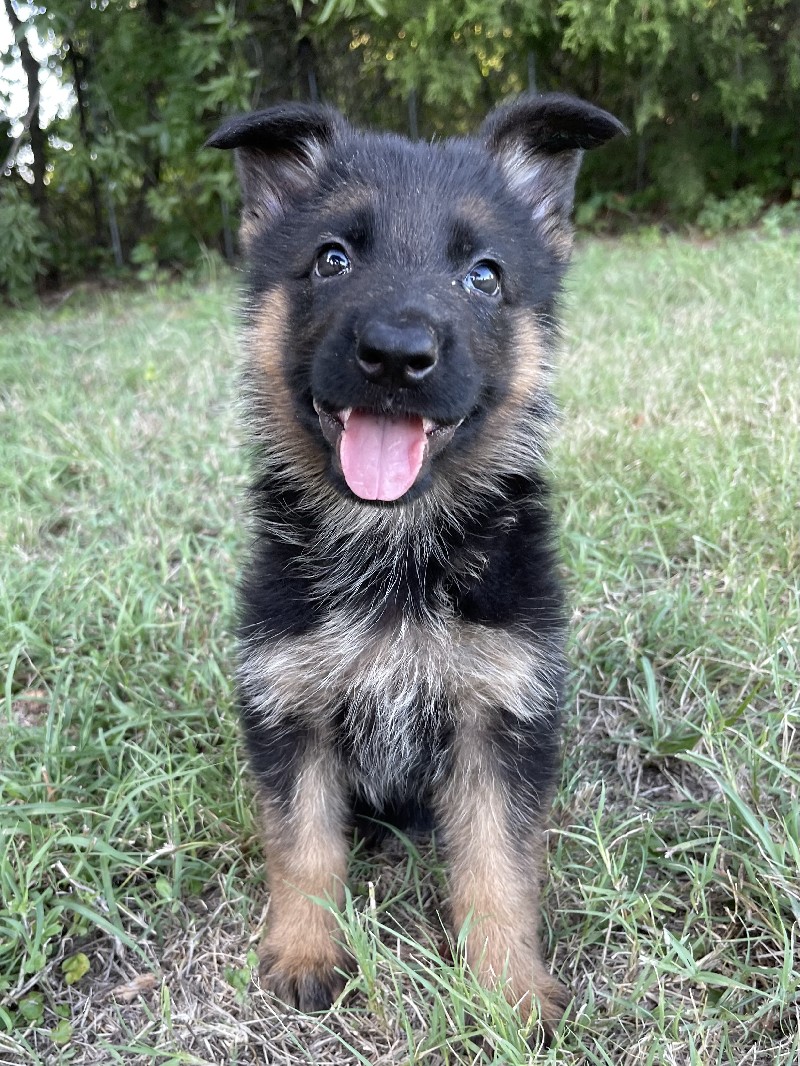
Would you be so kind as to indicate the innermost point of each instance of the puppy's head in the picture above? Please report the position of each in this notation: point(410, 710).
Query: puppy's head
point(402, 295)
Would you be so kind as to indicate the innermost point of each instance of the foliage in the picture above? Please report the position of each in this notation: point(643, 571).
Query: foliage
point(24, 249)
point(740, 209)
point(709, 91)
point(781, 217)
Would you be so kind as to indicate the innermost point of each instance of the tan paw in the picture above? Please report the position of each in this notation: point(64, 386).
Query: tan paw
point(526, 983)
point(308, 983)
point(552, 999)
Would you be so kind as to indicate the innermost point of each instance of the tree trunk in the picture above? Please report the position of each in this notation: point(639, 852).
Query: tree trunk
point(79, 65)
point(152, 161)
point(113, 228)
point(35, 132)
point(531, 71)
point(413, 121)
point(641, 162)
point(306, 57)
point(306, 72)
point(157, 10)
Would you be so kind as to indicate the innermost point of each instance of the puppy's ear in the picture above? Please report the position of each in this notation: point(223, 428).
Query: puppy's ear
point(538, 142)
point(279, 154)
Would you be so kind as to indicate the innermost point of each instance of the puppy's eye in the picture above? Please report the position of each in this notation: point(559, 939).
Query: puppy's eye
point(484, 277)
point(331, 261)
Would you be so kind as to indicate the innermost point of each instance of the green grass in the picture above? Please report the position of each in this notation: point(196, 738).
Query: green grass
point(128, 831)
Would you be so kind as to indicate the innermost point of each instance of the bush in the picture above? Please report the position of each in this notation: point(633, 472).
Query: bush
point(781, 217)
point(25, 252)
point(741, 209)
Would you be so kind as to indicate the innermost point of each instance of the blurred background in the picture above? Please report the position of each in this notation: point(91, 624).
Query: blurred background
point(105, 104)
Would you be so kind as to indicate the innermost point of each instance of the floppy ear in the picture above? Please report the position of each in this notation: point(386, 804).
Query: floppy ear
point(279, 153)
point(539, 142)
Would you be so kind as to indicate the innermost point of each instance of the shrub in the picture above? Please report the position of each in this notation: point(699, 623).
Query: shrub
point(25, 252)
point(741, 209)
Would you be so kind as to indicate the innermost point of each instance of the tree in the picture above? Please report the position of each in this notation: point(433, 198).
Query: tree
point(711, 93)
point(32, 119)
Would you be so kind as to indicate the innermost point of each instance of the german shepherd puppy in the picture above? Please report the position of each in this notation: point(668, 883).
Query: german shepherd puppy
point(402, 621)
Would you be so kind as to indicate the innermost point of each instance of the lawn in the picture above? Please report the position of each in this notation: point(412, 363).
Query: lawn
point(130, 867)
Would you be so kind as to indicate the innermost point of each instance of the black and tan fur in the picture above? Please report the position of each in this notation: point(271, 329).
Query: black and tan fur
point(402, 658)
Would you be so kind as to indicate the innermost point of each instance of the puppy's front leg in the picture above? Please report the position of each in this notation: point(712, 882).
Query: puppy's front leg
point(306, 854)
point(491, 812)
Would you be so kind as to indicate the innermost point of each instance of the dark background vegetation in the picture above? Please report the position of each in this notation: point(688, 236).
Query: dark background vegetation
point(119, 183)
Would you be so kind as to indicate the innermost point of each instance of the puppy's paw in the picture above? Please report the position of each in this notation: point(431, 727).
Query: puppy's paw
point(525, 982)
point(552, 999)
point(309, 984)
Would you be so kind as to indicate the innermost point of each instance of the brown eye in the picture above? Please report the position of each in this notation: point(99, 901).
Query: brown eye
point(484, 277)
point(332, 260)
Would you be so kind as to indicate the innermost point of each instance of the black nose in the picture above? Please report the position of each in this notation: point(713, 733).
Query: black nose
point(396, 354)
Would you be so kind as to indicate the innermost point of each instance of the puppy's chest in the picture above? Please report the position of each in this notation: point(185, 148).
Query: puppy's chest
point(402, 670)
point(390, 680)
point(392, 695)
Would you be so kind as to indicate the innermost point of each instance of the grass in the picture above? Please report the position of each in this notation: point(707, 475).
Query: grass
point(130, 869)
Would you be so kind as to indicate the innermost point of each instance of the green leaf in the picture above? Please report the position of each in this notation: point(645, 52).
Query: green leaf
point(678, 741)
point(326, 12)
point(74, 967)
point(163, 885)
point(34, 962)
point(62, 1034)
point(32, 1007)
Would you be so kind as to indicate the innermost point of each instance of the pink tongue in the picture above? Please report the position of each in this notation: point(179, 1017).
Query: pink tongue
point(380, 455)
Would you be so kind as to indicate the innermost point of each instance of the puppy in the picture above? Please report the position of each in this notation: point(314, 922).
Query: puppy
point(402, 622)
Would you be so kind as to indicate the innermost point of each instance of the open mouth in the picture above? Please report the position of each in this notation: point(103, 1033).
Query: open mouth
point(381, 455)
